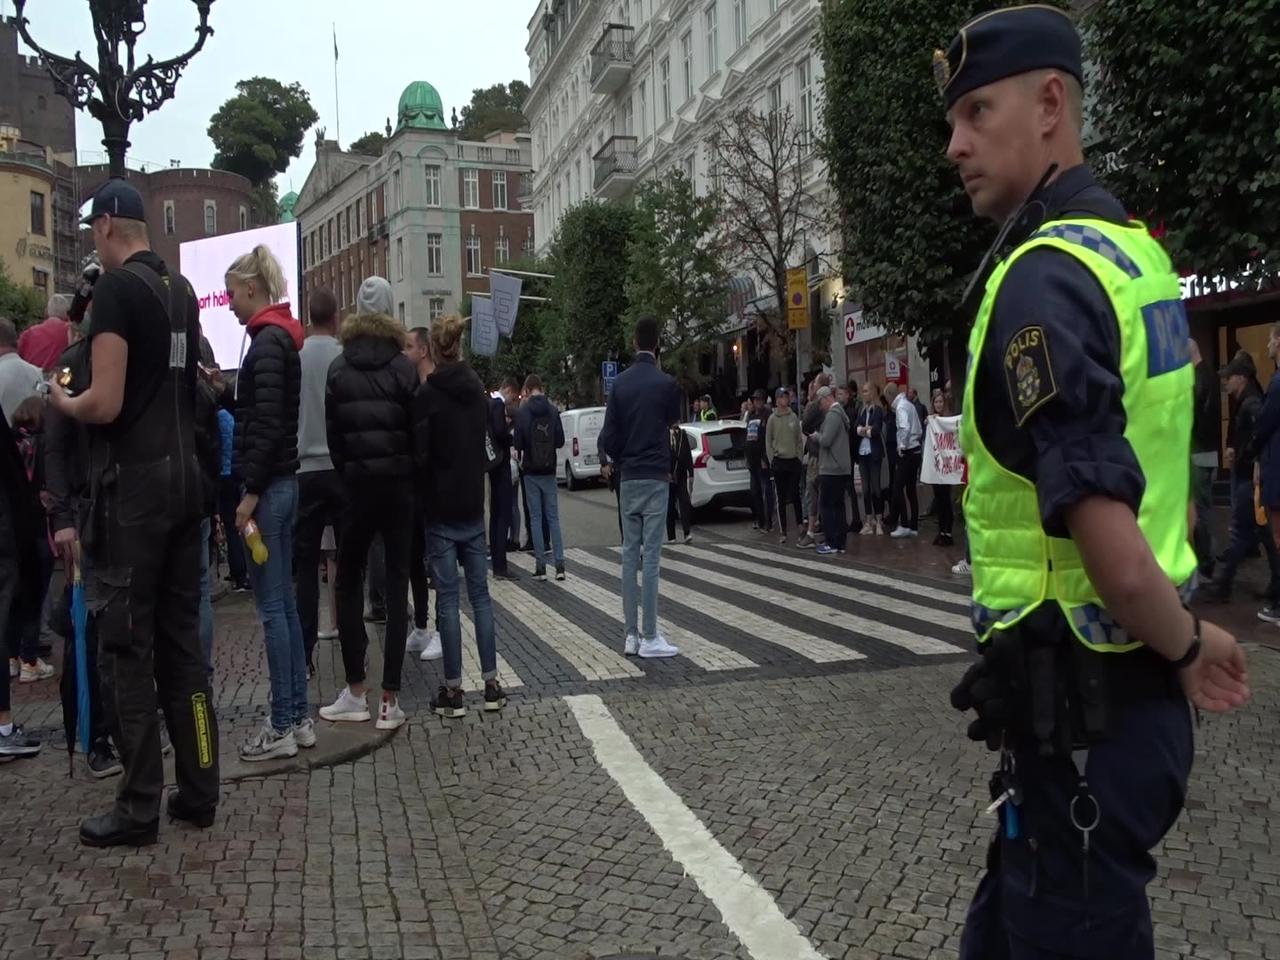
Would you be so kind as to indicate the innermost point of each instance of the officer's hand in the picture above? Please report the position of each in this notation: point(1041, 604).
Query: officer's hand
point(64, 542)
point(1229, 458)
point(606, 471)
point(1217, 680)
point(244, 512)
point(979, 690)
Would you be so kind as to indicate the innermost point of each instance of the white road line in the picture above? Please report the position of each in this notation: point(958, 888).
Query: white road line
point(916, 643)
point(760, 628)
point(798, 562)
point(746, 908)
point(832, 587)
point(588, 656)
point(708, 655)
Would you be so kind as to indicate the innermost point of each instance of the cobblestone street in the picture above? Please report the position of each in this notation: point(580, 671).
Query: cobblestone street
point(795, 785)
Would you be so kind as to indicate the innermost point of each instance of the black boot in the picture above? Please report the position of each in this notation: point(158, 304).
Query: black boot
point(112, 830)
point(178, 810)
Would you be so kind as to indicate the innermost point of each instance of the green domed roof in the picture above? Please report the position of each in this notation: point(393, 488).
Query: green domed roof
point(420, 108)
point(287, 203)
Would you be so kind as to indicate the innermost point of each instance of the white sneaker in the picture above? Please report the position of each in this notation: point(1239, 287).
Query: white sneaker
point(631, 646)
point(418, 640)
point(327, 635)
point(433, 650)
point(15, 668)
point(657, 647)
point(348, 707)
point(688, 538)
point(962, 569)
point(390, 715)
point(268, 744)
point(902, 533)
point(31, 672)
point(304, 733)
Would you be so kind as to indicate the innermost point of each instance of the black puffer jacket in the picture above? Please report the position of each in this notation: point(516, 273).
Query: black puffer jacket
point(266, 406)
point(450, 419)
point(368, 402)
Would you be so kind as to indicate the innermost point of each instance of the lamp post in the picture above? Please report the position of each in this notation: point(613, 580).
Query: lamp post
point(126, 91)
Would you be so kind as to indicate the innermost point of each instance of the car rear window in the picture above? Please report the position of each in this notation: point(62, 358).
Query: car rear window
point(727, 444)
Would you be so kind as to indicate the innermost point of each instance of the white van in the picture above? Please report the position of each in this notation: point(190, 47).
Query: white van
point(579, 459)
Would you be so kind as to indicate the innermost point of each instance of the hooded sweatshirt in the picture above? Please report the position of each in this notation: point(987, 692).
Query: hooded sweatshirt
point(42, 344)
point(782, 436)
point(368, 402)
point(318, 353)
point(535, 410)
point(450, 417)
point(267, 394)
point(833, 444)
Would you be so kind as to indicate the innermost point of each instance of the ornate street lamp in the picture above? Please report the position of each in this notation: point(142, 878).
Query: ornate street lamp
point(125, 91)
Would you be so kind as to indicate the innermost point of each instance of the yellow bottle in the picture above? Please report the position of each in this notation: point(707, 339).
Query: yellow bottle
point(1259, 511)
point(253, 538)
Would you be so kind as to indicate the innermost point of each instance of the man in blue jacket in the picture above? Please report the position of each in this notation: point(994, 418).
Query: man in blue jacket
point(644, 404)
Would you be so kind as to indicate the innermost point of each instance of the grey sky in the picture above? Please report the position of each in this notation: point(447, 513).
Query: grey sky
point(456, 45)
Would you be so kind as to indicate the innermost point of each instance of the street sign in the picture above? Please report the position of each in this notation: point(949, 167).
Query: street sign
point(851, 328)
point(608, 374)
point(895, 370)
point(797, 299)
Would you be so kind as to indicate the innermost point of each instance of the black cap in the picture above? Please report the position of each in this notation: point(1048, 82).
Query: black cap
point(1239, 367)
point(759, 394)
point(1004, 43)
point(118, 198)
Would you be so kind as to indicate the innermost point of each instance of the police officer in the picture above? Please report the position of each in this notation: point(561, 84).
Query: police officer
point(143, 529)
point(1077, 426)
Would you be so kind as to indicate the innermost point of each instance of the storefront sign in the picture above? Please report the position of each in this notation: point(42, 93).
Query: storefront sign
point(797, 299)
point(851, 327)
point(35, 251)
point(895, 370)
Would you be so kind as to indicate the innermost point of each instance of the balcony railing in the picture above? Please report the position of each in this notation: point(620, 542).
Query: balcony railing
point(611, 58)
point(615, 166)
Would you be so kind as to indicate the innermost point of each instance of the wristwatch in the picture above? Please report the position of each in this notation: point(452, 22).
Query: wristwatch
point(1193, 651)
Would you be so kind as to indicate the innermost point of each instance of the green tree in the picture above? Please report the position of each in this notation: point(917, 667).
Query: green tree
point(20, 303)
point(676, 270)
point(911, 241)
point(494, 108)
point(1194, 141)
point(371, 144)
point(264, 201)
point(590, 265)
point(259, 130)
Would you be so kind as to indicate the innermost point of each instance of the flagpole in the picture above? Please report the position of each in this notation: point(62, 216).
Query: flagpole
point(337, 113)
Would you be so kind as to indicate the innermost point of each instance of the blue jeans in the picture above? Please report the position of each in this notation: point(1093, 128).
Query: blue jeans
point(541, 491)
point(644, 513)
point(447, 545)
point(1245, 534)
point(206, 605)
point(277, 607)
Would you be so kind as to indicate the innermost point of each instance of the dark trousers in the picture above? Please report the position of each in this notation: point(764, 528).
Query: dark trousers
point(9, 593)
point(375, 508)
point(499, 514)
point(1245, 533)
point(678, 505)
point(144, 595)
point(786, 478)
point(376, 577)
point(854, 512)
point(943, 507)
point(418, 580)
point(831, 498)
point(762, 507)
point(1030, 904)
point(1202, 536)
point(890, 502)
point(228, 500)
point(904, 489)
point(322, 501)
point(28, 613)
point(872, 499)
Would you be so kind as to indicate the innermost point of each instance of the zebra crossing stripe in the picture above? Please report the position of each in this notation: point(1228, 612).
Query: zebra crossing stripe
point(831, 587)
point(471, 673)
point(760, 628)
point(858, 575)
point(591, 658)
point(914, 642)
point(699, 650)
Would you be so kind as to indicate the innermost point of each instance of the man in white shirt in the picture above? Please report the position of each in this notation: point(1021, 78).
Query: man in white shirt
point(910, 435)
point(18, 378)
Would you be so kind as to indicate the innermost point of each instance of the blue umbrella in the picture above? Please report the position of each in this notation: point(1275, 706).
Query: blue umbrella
point(80, 626)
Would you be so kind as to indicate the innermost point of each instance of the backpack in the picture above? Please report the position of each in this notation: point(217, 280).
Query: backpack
point(542, 444)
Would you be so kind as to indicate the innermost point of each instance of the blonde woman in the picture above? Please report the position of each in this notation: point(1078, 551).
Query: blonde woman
point(265, 459)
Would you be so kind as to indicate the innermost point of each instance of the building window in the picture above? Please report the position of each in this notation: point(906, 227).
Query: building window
point(773, 7)
point(484, 153)
point(399, 258)
point(40, 280)
point(37, 213)
point(328, 238)
point(712, 19)
point(739, 22)
point(804, 81)
point(471, 189)
point(664, 81)
point(513, 156)
point(461, 153)
point(395, 188)
point(210, 217)
point(499, 189)
point(642, 93)
point(475, 267)
point(527, 246)
point(435, 308)
point(775, 98)
point(686, 57)
point(311, 249)
point(433, 186)
point(359, 218)
point(170, 219)
point(435, 254)
point(687, 166)
point(502, 250)
point(244, 219)
point(628, 116)
point(400, 312)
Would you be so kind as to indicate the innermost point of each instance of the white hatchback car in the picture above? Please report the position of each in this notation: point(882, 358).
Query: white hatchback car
point(579, 459)
point(720, 477)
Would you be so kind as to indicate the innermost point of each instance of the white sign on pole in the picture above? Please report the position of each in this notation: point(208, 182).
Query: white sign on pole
point(484, 329)
point(504, 292)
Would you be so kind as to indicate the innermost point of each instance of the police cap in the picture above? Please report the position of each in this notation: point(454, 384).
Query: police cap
point(1004, 43)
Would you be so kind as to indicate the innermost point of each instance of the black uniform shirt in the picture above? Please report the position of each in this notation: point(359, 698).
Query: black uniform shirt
point(1054, 412)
